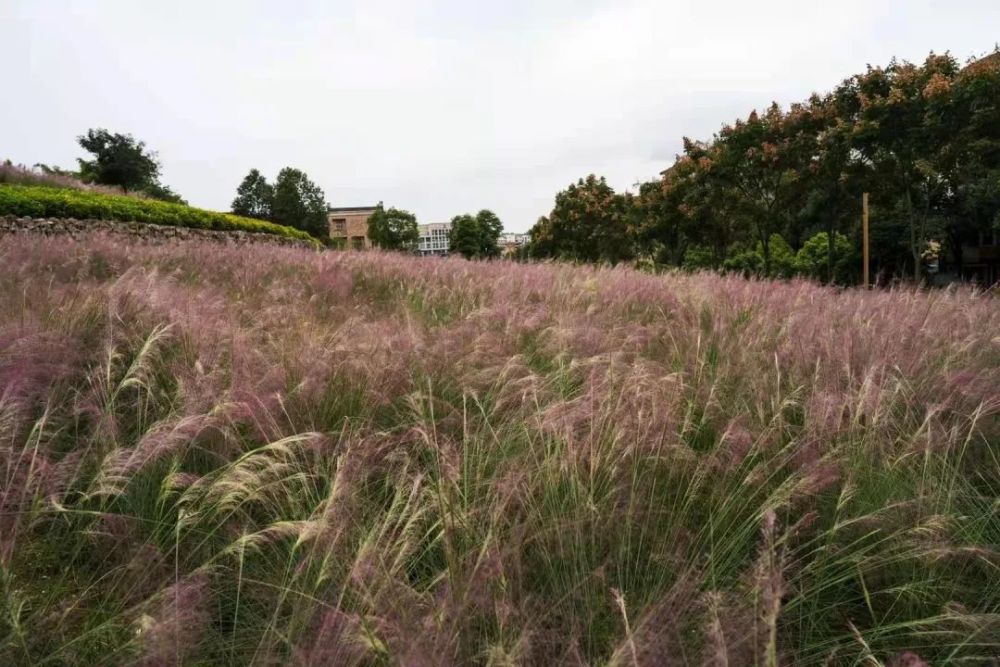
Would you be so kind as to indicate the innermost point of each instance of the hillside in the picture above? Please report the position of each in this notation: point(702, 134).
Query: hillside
point(43, 201)
point(19, 174)
point(218, 455)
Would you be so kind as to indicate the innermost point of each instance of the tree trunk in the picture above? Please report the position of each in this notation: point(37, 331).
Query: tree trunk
point(956, 249)
point(765, 244)
point(829, 249)
point(914, 249)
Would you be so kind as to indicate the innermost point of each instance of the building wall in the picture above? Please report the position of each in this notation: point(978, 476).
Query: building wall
point(433, 238)
point(510, 242)
point(350, 225)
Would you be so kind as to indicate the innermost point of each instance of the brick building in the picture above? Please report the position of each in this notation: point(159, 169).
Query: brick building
point(349, 226)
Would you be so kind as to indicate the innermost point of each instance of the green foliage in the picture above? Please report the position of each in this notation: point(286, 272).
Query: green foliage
point(753, 262)
point(298, 203)
point(782, 258)
point(475, 236)
point(464, 236)
point(44, 202)
point(254, 197)
point(922, 139)
point(813, 258)
point(119, 159)
point(393, 229)
point(590, 222)
point(698, 257)
point(163, 193)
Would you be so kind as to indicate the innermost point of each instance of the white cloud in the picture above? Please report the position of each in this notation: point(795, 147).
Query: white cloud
point(439, 107)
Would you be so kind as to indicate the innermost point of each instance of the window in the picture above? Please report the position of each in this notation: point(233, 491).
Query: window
point(358, 242)
point(339, 225)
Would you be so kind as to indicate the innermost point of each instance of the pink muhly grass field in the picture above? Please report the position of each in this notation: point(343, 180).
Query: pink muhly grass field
point(262, 455)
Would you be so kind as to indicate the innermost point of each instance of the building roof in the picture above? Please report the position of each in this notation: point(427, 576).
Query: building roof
point(349, 209)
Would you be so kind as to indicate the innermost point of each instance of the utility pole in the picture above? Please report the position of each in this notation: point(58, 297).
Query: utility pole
point(864, 234)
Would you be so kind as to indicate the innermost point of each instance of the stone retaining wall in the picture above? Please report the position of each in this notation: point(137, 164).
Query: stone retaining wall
point(141, 230)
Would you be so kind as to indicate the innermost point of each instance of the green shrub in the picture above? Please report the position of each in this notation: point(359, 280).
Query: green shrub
point(698, 257)
point(751, 262)
point(812, 259)
point(746, 262)
point(44, 202)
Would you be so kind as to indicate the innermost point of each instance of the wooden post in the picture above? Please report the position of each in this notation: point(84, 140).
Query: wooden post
point(864, 232)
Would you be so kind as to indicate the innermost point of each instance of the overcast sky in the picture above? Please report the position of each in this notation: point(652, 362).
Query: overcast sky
point(437, 107)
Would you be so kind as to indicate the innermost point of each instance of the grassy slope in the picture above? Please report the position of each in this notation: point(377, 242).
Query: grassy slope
point(263, 455)
point(19, 174)
point(48, 202)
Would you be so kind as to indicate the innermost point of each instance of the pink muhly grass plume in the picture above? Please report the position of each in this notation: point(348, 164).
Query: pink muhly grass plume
point(656, 636)
point(907, 659)
point(382, 458)
point(19, 174)
point(334, 638)
point(162, 441)
point(169, 627)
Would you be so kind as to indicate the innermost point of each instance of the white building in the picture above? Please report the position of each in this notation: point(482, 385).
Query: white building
point(511, 242)
point(434, 238)
point(513, 238)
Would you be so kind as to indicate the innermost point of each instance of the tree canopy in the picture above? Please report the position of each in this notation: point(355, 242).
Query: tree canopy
point(475, 236)
point(254, 197)
point(293, 201)
point(590, 222)
point(923, 140)
point(393, 229)
point(123, 161)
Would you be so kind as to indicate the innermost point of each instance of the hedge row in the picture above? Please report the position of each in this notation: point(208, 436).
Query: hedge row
point(42, 202)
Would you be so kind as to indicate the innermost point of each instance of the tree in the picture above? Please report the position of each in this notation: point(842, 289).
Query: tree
point(298, 202)
point(972, 161)
point(923, 140)
point(163, 193)
point(590, 222)
point(490, 228)
point(687, 218)
point(476, 236)
point(464, 236)
point(899, 136)
point(254, 197)
point(750, 261)
point(829, 182)
point(118, 160)
point(814, 258)
point(759, 161)
point(393, 229)
point(541, 239)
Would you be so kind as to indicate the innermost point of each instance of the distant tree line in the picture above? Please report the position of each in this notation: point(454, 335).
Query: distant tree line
point(471, 236)
point(293, 200)
point(779, 193)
